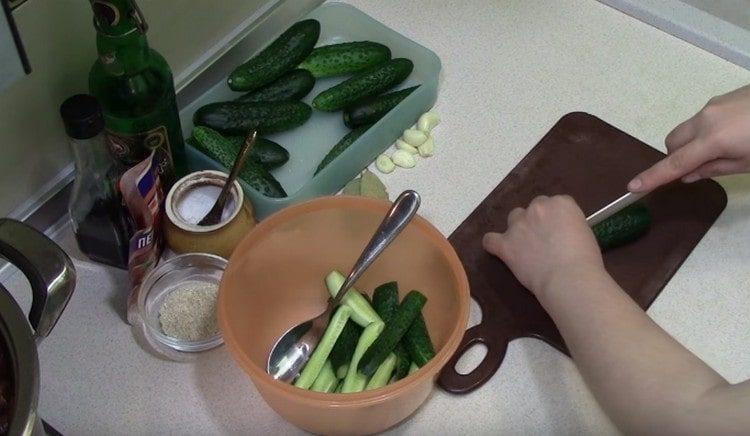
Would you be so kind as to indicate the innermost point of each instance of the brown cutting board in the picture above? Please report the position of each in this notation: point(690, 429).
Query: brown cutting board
point(592, 161)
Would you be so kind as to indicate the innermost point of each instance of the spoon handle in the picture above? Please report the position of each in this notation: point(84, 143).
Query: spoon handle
point(401, 212)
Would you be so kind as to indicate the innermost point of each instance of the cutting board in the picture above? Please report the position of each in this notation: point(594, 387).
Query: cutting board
point(592, 161)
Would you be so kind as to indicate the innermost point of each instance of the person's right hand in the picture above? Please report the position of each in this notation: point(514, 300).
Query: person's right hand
point(714, 142)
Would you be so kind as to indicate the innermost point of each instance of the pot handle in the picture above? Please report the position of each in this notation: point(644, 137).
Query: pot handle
point(48, 269)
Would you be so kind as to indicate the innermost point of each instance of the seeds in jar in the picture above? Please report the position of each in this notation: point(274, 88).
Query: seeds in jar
point(189, 312)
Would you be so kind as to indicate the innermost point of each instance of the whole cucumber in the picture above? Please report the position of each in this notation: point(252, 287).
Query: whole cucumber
point(371, 110)
point(239, 118)
point(340, 146)
point(363, 85)
point(345, 58)
point(291, 86)
point(266, 152)
point(282, 55)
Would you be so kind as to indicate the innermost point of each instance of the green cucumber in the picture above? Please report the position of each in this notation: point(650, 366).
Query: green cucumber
point(345, 58)
point(291, 86)
point(418, 343)
point(403, 362)
point(409, 309)
point(365, 84)
point(216, 147)
point(355, 381)
point(625, 226)
point(362, 312)
point(239, 118)
point(343, 350)
point(385, 300)
point(266, 152)
point(340, 146)
point(383, 373)
point(320, 356)
point(413, 368)
point(282, 55)
point(341, 372)
point(326, 380)
point(371, 110)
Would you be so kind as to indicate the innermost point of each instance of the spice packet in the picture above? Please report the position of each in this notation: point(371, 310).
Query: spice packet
point(143, 194)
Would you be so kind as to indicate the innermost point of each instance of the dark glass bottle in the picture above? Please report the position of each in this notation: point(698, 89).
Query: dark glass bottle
point(133, 84)
point(100, 222)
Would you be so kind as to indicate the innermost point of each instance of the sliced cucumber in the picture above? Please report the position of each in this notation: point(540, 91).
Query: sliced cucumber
point(413, 368)
point(418, 343)
point(313, 367)
point(362, 312)
point(355, 381)
point(403, 362)
point(385, 300)
point(342, 352)
point(326, 380)
point(383, 373)
point(407, 312)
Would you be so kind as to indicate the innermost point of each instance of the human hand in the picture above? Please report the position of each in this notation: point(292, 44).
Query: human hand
point(714, 142)
point(545, 241)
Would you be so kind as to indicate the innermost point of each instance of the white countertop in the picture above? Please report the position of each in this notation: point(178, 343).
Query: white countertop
point(511, 69)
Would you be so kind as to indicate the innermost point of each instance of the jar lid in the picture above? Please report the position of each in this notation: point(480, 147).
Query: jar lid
point(82, 116)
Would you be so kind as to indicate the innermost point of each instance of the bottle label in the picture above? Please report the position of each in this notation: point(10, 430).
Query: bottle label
point(130, 149)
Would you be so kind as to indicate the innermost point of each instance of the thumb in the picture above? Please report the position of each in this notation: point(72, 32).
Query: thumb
point(493, 243)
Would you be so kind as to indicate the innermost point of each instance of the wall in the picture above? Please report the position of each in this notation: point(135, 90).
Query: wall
point(59, 39)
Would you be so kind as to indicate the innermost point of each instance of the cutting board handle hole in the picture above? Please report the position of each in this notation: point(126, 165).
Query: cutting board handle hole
point(471, 358)
point(475, 314)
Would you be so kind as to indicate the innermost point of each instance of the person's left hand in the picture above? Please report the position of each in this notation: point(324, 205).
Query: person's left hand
point(546, 241)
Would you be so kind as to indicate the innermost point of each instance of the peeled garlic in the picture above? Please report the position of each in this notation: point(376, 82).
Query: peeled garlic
point(401, 145)
point(384, 164)
point(427, 148)
point(404, 159)
point(428, 121)
point(414, 137)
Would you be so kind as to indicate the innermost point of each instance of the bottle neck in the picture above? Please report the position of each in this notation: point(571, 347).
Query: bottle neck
point(120, 36)
point(92, 159)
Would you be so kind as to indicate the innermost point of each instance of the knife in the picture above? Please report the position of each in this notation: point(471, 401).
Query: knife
point(613, 207)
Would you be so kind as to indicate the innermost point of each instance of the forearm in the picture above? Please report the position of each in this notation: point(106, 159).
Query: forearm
point(644, 379)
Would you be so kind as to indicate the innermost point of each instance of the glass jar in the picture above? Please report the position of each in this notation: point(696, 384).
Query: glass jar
point(100, 222)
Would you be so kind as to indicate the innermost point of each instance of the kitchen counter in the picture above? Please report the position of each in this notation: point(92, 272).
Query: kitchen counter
point(511, 69)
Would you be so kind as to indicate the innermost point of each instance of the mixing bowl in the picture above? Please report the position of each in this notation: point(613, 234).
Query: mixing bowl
point(274, 280)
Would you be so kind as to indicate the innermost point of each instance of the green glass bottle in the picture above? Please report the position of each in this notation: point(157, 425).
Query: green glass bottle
point(133, 84)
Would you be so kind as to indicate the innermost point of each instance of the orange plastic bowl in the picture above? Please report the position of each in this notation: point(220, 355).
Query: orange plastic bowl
point(275, 280)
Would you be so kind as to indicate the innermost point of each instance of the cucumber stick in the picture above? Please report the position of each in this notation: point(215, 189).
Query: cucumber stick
point(313, 367)
point(383, 373)
point(291, 86)
point(355, 381)
point(342, 351)
point(413, 368)
point(345, 58)
point(363, 85)
point(342, 370)
point(385, 302)
point(340, 146)
point(282, 55)
point(409, 309)
point(418, 343)
point(625, 226)
point(362, 312)
point(326, 380)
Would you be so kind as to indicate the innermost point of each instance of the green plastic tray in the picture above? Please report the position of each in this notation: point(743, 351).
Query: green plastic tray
point(309, 143)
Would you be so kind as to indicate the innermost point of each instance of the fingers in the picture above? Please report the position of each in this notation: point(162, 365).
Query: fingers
point(493, 244)
point(514, 215)
point(678, 164)
point(681, 135)
point(718, 167)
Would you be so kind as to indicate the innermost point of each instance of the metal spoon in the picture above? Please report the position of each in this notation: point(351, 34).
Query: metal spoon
point(293, 349)
point(214, 215)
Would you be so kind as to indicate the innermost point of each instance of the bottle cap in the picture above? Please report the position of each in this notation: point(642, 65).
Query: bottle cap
point(82, 116)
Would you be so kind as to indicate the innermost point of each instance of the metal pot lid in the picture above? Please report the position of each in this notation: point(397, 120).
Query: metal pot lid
point(16, 336)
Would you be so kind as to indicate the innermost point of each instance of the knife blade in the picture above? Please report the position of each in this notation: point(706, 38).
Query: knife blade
point(613, 207)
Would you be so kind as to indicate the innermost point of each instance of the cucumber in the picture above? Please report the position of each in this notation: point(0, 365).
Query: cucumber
point(326, 380)
point(409, 309)
point(383, 373)
point(343, 350)
point(623, 227)
point(362, 312)
point(403, 361)
point(355, 381)
point(320, 356)
point(371, 110)
point(266, 152)
point(365, 84)
point(385, 300)
point(291, 86)
point(282, 55)
point(345, 58)
point(215, 146)
point(418, 343)
point(239, 118)
point(413, 368)
point(340, 146)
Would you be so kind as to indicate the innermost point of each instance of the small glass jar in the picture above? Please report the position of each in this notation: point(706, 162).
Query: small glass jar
point(189, 201)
